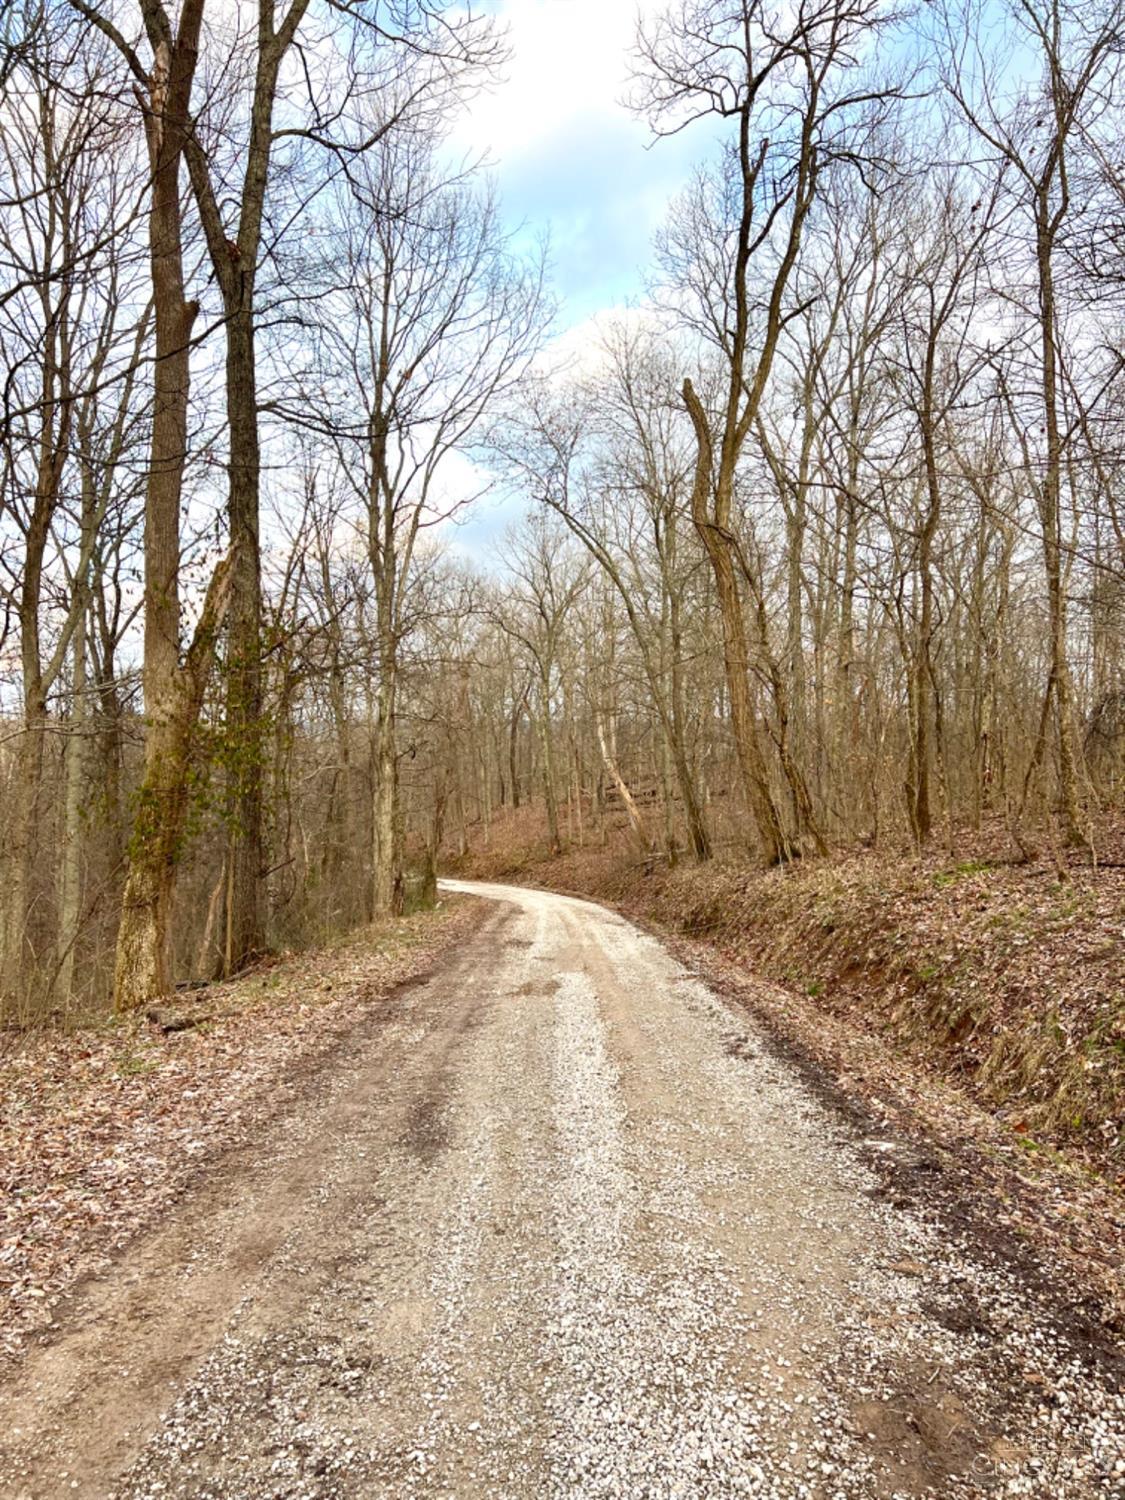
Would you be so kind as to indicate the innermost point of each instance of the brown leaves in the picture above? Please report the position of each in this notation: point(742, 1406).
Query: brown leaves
point(101, 1128)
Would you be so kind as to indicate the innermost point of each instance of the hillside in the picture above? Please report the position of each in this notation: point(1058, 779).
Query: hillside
point(983, 998)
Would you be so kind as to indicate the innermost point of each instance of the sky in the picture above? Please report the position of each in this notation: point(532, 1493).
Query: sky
point(570, 160)
point(568, 155)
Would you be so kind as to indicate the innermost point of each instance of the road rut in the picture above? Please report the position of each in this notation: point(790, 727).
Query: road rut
point(562, 1225)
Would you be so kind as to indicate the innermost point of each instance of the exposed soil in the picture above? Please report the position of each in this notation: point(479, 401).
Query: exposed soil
point(103, 1126)
point(562, 1221)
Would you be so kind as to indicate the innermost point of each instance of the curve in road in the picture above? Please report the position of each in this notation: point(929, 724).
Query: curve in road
point(562, 1226)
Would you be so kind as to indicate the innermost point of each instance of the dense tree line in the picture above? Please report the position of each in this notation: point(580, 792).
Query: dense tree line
point(823, 541)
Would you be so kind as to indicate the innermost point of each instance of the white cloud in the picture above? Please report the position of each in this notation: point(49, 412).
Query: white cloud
point(569, 67)
point(572, 162)
point(580, 350)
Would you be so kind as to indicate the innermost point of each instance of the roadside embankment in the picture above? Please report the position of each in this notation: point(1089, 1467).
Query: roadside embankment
point(985, 998)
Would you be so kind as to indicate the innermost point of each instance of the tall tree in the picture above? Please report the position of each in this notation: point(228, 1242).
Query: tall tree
point(797, 102)
point(72, 328)
point(431, 320)
point(1036, 134)
point(609, 457)
point(173, 689)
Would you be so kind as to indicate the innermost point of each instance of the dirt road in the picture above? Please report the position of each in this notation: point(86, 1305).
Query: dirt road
point(563, 1225)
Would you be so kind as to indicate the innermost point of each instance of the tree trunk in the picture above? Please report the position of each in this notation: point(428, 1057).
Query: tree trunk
point(76, 763)
point(244, 925)
point(513, 748)
point(736, 661)
point(718, 544)
point(628, 801)
point(387, 898)
point(549, 772)
point(235, 263)
point(173, 696)
point(25, 938)
point(1050, 492)
point(921, 811)
point(676, 734)
point(22, 955)
point(141, 959)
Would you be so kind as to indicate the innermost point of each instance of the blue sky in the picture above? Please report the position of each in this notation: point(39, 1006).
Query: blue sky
point(568, 156)
point(572, 162)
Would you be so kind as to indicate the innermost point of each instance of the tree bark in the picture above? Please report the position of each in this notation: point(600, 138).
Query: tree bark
point(173, 694)
point(717, 542)
point(1050, 491)
point(75, 782)
point(244, 922)
point(628, 801)
point(549, 792)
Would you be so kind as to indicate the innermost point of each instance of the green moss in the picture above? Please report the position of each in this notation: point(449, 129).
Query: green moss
point(136, 1065)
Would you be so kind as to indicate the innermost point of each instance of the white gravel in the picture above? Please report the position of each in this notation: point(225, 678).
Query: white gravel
point(567, 1228)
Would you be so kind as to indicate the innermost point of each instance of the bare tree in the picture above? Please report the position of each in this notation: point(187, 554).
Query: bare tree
point(798, 102)
point(73, 328)
point(432, 319)
point(1035, 137)
point(945, 276)
point(173, 689)
point(611, 458)
point(544, 581)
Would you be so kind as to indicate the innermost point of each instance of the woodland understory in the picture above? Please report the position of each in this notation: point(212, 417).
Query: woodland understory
point(816, 590)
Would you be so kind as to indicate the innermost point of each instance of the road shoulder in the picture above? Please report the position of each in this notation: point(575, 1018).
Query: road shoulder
point(105, 1129)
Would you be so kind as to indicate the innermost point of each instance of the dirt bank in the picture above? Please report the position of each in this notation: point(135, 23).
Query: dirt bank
point(982, 998)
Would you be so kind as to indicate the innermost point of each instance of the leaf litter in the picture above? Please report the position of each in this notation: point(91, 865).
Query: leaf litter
point(103, 1127)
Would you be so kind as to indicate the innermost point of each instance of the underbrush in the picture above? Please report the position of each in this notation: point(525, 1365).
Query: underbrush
point(1004, 976)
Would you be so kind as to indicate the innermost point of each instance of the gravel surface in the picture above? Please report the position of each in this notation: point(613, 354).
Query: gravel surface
point(562, 1226)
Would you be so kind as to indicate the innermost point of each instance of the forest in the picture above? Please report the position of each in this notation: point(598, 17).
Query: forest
point(818, 545)
point(562, 749)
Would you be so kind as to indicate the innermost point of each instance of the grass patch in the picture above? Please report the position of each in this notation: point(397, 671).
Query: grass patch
point(137, 1064)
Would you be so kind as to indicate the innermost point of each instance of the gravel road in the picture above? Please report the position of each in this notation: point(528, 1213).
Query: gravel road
point(562, 1224)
